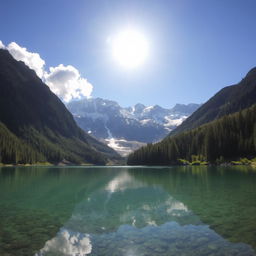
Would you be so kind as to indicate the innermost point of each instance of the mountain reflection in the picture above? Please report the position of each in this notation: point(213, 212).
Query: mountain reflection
point(128, 216)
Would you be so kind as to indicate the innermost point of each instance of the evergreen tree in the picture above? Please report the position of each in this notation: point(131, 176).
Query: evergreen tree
point(228, 138)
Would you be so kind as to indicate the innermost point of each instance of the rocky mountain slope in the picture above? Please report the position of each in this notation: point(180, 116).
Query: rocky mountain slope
point(126, 129)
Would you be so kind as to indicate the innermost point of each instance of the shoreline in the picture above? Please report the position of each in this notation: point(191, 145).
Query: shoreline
point(232, 163)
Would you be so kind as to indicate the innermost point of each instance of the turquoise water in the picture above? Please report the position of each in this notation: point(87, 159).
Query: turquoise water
point(78, 211)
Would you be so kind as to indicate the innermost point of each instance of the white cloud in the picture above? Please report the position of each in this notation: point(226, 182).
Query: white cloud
point(67, 83)
point(31, 59)
point(1, 45)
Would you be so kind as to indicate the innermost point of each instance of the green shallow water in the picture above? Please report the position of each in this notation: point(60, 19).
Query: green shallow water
point(78, 211)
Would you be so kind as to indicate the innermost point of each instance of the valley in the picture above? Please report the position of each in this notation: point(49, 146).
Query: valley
point(127, 129)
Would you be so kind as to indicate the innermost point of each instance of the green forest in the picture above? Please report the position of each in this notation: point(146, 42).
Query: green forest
point(35, 147)
point(35, 125)
point(229, 138)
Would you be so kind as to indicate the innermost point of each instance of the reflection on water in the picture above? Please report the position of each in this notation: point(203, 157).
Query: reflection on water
point(105, 212)
point(127, 211)
point(123, 181)
point(167, 239)
point(128, 217)
point(67, 243)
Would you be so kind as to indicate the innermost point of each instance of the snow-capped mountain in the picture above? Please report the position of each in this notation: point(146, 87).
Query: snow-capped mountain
point(126, 129)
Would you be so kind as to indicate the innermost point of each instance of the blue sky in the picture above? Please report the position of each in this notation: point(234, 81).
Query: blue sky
point(196, 46)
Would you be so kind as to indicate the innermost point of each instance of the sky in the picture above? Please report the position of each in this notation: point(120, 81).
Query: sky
point(196, 47)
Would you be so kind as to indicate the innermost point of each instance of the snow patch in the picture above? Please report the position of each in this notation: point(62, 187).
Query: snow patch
point(173, 122)
point(148, 109)
point(122, 146)
point(146, 121)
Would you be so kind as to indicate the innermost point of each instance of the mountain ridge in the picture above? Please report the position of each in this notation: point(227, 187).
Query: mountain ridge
point(38, 119)
point(222, 129)
point(229, 138)
point(113, 124)
point(228, 100)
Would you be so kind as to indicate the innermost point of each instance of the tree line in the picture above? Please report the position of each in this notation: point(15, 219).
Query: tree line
point(34, 147)
point(228, 138)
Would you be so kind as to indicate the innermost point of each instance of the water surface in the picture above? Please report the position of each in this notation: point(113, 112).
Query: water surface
point(78, 211)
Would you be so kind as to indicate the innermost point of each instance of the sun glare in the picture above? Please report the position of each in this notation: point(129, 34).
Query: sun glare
point(129, 48)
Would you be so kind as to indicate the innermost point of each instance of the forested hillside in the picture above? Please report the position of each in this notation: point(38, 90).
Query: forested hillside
point(36, 126)
point(228, 138)
point(227, 101)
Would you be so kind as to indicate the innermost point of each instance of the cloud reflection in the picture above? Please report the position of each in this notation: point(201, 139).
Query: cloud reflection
point(128, 218)
point(122, 182)
point(67, 243)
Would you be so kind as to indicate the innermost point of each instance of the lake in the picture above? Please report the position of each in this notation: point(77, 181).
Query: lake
point(130, 211)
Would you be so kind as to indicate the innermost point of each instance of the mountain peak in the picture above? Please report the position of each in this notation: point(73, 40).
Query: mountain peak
point(139, 106)
point(228, 100)
point(251, 74)
point(38, 121)
point(185, 108)
point(157, 107)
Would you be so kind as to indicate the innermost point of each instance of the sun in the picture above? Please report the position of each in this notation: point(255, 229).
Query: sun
point(129, 48)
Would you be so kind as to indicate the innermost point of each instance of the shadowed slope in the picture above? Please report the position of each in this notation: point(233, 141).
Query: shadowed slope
point(39, 120)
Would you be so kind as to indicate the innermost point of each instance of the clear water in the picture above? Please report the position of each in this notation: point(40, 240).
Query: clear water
point(78, 211)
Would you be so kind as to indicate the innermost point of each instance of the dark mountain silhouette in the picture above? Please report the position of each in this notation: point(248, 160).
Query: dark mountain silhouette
point(228, 100)
point(36, 126)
